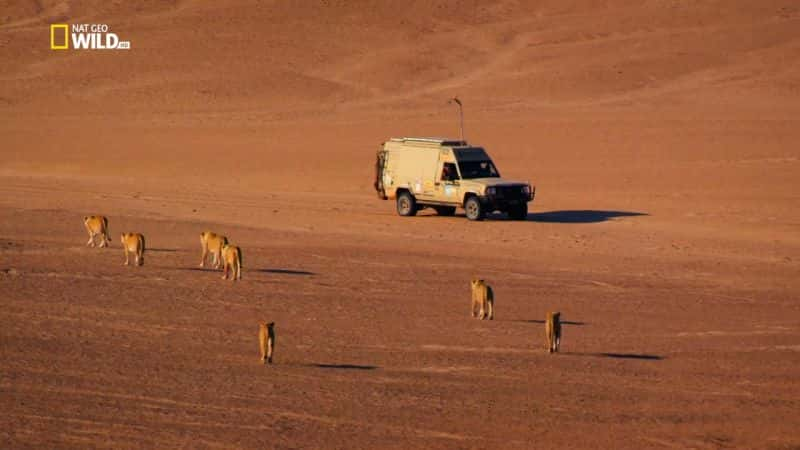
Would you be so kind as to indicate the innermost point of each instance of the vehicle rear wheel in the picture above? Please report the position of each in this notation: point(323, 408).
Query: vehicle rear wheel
point(406, 204)
point(474, 209)
point(445, 210)
point(518, 212)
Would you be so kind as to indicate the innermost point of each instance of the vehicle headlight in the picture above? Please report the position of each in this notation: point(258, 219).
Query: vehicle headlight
point(491, 191)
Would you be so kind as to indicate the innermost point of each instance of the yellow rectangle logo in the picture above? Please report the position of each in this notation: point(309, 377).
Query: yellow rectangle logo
point(53, 29)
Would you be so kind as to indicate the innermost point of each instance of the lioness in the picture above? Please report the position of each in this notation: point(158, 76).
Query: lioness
point(133, 243)
point(232, 258)
point(482, 300)
point(266, 341)
point(552, 328)
point(97, 225)
point(212, 243)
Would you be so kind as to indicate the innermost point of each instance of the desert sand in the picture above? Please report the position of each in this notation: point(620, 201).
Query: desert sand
point(662, 137)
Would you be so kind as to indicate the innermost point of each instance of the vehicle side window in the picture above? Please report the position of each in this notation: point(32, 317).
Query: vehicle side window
point(449, 172)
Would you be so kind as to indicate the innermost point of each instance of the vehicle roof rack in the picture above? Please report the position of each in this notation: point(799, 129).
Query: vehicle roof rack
point(432, 140)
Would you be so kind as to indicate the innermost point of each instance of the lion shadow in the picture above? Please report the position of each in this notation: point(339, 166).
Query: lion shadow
point(638, 356)
point(540, 321)
point(199, 269)
point(286, 272)
point(344, 366)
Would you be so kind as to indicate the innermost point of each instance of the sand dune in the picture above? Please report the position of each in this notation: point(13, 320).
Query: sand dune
point(662, 138)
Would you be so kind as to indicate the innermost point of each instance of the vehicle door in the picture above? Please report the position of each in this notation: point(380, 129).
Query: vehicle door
point(448, 182)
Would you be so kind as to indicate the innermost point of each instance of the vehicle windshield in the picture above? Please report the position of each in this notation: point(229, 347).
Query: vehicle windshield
point(477, 169)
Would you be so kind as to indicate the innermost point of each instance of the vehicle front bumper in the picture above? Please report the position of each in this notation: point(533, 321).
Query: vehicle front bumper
point(504, 202)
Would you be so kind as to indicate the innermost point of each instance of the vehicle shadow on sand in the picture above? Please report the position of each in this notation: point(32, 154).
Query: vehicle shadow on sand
point(562, 216)
point(580, 216)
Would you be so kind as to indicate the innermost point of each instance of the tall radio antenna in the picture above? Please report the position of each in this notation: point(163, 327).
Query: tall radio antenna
point(460, 114)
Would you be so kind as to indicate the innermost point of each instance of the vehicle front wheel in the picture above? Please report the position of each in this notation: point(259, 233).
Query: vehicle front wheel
point(474, 209)
point(518, 212)
point(445, 210)
point(406, 205)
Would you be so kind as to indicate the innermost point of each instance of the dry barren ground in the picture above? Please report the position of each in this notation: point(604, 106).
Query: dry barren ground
point(662, 137)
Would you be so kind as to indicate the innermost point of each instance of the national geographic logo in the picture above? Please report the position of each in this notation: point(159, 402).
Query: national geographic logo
point(85, 36)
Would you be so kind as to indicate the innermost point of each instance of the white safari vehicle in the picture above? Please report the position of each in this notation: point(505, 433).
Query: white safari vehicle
point(444, 175)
